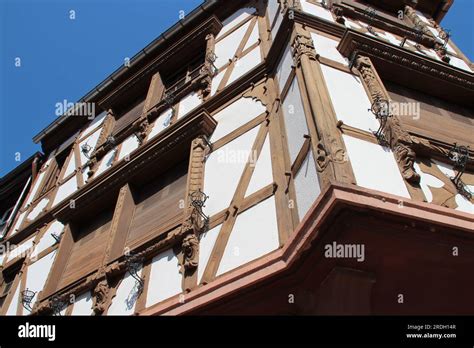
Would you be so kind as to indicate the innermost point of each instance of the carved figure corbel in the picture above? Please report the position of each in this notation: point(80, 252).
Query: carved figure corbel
point(101, 296)
point(190, 247)
point(142, 128)
point(322, 158)
point(398, 139)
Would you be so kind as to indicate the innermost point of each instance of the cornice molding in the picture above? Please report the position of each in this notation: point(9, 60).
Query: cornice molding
point(458, 82)
point(180, 48)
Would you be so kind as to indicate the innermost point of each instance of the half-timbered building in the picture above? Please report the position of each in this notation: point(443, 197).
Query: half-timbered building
point(260, 157)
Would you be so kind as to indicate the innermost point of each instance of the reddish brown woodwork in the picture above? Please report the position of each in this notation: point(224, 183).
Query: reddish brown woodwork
point(158, 203)
point(438, 119)
point(128, 117)
point(90, 242)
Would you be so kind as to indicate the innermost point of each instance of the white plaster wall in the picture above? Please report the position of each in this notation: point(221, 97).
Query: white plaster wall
point(272, 10)
point(391, 38)
point(306, 185)
point(207, 241)
point(430, 53)
point(375, 167)
point(37, 274)
point(188, 103)
point(226, 48)
point(459, 63)
point(284, 67)
point(236, 18)
point(245, 64)
point(128, 146)
point(223, 170)
point(262, 173)
point(96, 122)
point(165, 279)
point(315, 10)
point(106, 163)
point(427, 181)
point(450, 49)
point(235, 115)
point(434, 31)
point(12, 308)
point(71, 164)
point(21, 249)
point(326, 48)
point(253, 39)
point(65, 190)
point(18, 223)
point(92, 142)
point(36, 186)
point(83, 304)
point(351, 24)
point(349, 99)
point(295, 120)
point(14, 212)
point(255, 234)
point(462, 203)
point(423, 17)
point(277, 24)
point(38, 209)
point(161, 123)
point(126, 296)
point(46, 239)
point(216, 81)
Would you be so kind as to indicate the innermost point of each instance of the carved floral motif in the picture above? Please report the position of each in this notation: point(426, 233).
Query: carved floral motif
point(399, 140)
point(303, 46)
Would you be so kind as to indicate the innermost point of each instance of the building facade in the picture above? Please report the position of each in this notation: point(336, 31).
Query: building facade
point(260, 157)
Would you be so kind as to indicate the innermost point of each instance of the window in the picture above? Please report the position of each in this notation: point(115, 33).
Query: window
point(9, 276)
point(53, 172)
point(129, 116)
point(185, 74)
point(4, 220)
point(89, 243)
point(158, 204)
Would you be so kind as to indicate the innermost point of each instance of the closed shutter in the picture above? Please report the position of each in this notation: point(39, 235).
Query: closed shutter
point(438, 119)
point(87, 253)
point(128, 117)
point(158, 204)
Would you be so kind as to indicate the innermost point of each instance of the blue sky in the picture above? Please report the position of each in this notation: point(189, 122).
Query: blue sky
point(63, 58)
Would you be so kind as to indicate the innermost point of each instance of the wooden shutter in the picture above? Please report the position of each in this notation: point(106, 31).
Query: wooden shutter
point(87, 252)
point(155, 92)
point(439, 119)
point(128, 117)
point(158, 204)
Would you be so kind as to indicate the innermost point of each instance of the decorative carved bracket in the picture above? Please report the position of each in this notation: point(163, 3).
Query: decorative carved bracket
point(190, 247)
point(302, 46)
point(399, 140)
point(437, 46)
point(142, 128)
point(259, 92)
point(408, 67)
point(100, 295)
